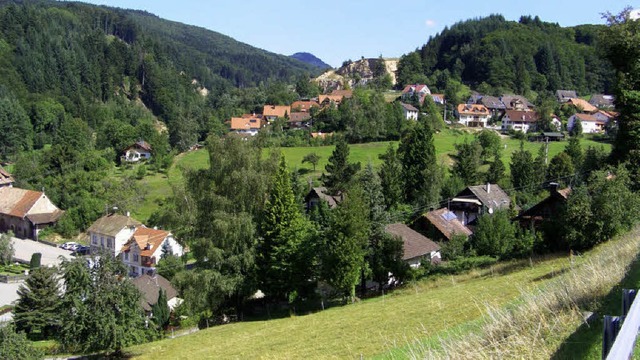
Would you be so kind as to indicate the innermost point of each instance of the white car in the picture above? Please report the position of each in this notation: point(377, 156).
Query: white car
point(70, 246)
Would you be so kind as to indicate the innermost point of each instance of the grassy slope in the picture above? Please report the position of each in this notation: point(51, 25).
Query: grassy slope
point(370, 327)
point(159, 185)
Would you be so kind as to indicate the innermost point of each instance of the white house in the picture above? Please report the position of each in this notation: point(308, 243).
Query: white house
point(420, 91)
point(520, 120)
point(590, 123)
point(473, 115)
point(246, 125)
point(142, 251)
point(417, 247)
point(410, 112)
point(141, 150)
point(111, 232)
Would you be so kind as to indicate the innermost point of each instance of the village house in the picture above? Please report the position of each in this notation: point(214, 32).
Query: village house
point(590, 123)
point(26, 212)
point(602, 101)
point(299, 120)
point(564, 95)
point(141, 150)
point(519, 120)
point(246, 125)
point(438, 98)
point(517, 102)
point(582, 106)
point(142, 251)
point(347, 94)
point(110, 232)
point(417, 248)
point(304, 106)
point(417, 91)
point(545, 209)
point(473, 115)
point(318, 194)
point(409, 111)
point(272, 112)
point(330, 100)
point(6, 180)
point(441, 225)
point(494, 104)
point(149, 287)
point(477, 200)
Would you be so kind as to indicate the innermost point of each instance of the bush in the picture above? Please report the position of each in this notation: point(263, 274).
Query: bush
point(35, 261)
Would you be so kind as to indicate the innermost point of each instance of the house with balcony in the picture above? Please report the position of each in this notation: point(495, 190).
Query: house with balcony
point(473, 115)
point(246, 125)
point(520, 120)
point(144, 248)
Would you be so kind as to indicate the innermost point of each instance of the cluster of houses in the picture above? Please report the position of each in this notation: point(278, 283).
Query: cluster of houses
point(517, 113)
point(296, 116)
point(421, 240)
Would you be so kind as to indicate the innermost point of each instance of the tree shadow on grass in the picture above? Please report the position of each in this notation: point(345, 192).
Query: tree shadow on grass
point(586, 341)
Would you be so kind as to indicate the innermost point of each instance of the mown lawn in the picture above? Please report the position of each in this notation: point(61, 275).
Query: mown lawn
point(158, 185)
point(368, 328)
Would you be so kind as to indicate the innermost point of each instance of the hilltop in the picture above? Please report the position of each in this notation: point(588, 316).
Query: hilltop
point(311, 59)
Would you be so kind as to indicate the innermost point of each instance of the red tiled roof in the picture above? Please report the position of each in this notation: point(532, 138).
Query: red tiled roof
point(304, 105)
point(587, 117)
point(473, 109)
point(245, 123)
point(582, 104)
point(147, 239)
point(276, 110)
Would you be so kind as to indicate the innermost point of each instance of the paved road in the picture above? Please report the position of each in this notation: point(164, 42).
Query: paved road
point(8, 293)
point(50, 255)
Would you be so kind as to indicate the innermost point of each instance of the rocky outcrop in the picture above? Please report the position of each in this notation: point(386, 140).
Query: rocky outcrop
point(356, 73)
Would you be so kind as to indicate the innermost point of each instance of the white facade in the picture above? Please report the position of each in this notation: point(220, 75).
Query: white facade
point(416, 262)
point(109, 243)
point(474, 120)
point(136, 154)
point(141, 261)
point(590, 123)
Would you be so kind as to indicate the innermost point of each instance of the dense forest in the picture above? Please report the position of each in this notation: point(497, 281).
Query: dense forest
point(497, 56)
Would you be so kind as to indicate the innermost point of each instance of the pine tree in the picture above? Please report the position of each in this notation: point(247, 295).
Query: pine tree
point(390, 178)
point(468, 161)
point(523, 173)
point(339, 171)
point(283, 230)
point(346, 242)
point(36, 312)
point(496, 170)
point(574, 150)
point(421, 174)
point(160, 310)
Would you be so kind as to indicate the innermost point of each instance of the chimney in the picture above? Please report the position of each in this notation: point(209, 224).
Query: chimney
point(488, 188)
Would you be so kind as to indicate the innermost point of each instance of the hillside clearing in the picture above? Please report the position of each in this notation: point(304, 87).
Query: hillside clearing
point(158, 185)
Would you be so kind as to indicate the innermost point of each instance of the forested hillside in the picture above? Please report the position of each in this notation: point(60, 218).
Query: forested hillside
point(496, 56)
point(79, 83)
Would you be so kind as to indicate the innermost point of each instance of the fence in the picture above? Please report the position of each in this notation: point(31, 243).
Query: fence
point(620, 332)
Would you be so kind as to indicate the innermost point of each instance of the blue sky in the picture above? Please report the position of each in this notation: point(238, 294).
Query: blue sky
point(338, 30)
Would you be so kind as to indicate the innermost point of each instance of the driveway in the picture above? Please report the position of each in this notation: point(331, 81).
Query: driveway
point(50, 255)
point(8, 294)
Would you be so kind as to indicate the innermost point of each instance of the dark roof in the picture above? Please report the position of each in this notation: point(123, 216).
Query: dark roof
point(5, 177)
point(408, 107)
point(601, 100)
point(508, 100)
point(553, 134)
point(112, 224)
point(299, 116)
point(447, 223)
point(492, 102)
point(564, 95)
point(414, 243)
point(522, 115)
point(150, 287)
point(537, 210)
point(141, 145)
point(495, 198)
point(321, 193)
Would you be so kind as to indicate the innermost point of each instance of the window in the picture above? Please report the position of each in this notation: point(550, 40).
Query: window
point(109, 242)
point(135, 257)
point(126, 255)
point(94, 240)
point(102, 241)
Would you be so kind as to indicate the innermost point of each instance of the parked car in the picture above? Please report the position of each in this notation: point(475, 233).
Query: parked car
point(70, 246)
point(82, 250)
